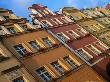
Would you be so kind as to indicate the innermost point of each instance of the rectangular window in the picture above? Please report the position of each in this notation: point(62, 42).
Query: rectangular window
point(21, 50)
point(35, 45)
point(63, 37)
point(101, 45)
point(93, 49)
point(64, 20)
point(20, 79)
point(82, 31)
point(46, 23)
point(58, 67)
point(24, 27)
point(11, 30)
point(70, 62)
point(43, 73)
point(47, 41)
point(6, 17)
point(85, 54)
point(56, 22)
point(73, 34)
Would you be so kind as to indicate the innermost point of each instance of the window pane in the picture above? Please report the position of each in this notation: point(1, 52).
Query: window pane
point(47, 41)
point(71, 62)
point(44, 74)
point(58, 67)
point(11, 30)
point(19, 80)
point(21, 50)
point(84, 54)
point(35, 45)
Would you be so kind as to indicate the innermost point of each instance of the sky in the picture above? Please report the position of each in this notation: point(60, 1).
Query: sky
point(20, 7)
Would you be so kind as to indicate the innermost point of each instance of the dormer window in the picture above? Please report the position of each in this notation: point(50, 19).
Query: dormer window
point(48, 41)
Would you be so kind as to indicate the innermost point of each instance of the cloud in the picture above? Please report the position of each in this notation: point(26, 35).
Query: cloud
point(87, 3)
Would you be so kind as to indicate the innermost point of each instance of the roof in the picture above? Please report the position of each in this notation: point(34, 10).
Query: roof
point(108, 6)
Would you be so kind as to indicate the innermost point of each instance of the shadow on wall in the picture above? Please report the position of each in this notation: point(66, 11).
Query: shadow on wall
point(108, 69)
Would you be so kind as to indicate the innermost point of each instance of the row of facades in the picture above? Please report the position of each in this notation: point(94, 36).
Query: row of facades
point(68, 46)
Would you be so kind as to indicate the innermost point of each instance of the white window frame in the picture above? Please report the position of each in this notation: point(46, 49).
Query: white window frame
point(64, 36)
point(97, 50)
point(20, 50)
point(105, 47)
point(88, 55)
point(35, 46)
point(48, 42)
point(57, 67)
point(74, 34)
point(82, 32)
point(43, 73)
point(71, 62)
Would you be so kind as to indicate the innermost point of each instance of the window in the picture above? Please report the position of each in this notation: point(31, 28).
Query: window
point(11, 30)
point(21, 50)
point(101, 45)
point(85, 54)
point(0, 28)
point(35, 45)
point(58, 67)
point(56, 22)
point(70, 62)
point(47, 41)
point(24, 27)
point(64, 20)
point(43, 73)
point(82, 31)
point(46, 23)
point(93, 49)
point(63, 37)
point(73, 34)
point(20, 79)
point(6, 17)
point(1, 18)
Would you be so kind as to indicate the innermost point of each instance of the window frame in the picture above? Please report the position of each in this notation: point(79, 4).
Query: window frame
point(46, 71)
point(89, 56)
point(97, 50)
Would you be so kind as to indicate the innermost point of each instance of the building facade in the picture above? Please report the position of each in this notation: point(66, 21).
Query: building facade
point(73, 36)
point(74, 14)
